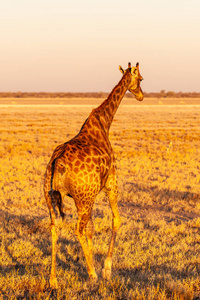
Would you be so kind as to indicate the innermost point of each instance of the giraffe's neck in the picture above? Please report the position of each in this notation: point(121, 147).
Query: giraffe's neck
point(106, 111)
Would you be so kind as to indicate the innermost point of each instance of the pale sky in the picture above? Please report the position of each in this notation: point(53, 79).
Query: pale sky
point(78, 45)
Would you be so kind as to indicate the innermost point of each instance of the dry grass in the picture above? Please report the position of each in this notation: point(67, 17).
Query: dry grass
point(157, 254)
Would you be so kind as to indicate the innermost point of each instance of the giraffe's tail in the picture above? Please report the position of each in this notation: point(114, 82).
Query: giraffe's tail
point(57, 200)
point(52, 193)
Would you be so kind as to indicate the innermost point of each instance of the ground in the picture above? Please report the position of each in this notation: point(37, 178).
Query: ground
point(157, 252)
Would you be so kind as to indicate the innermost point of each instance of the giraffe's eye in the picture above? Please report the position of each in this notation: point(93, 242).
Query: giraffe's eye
point(61, 168)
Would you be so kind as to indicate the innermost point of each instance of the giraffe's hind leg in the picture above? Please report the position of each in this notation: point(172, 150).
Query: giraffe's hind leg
point(85, 229)
point(52, 202)
point(89, 235)
point(53, 279)
point(111, 190)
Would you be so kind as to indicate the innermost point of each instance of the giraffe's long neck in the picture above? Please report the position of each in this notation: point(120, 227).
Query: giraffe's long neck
point(106, 111)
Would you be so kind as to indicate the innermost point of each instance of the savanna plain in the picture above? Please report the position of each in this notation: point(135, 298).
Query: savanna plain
point(157, 251)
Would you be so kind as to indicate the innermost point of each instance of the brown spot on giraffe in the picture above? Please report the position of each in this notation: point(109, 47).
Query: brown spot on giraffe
point(84, 166)
point(88, 160)
point(77, 163)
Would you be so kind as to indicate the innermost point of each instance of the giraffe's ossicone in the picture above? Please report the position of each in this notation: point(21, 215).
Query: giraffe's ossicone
point(85, 165)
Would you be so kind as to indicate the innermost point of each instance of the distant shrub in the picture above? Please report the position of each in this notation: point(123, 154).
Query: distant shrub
point(161, 94)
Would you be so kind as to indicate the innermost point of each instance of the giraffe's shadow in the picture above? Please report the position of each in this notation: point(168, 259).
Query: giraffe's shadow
point(26, 232)
point(72, 261)
point(16, 231)
point(36, 230)
point(162, 201)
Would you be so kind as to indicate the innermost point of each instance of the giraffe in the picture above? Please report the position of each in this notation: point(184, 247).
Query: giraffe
point(82, 167)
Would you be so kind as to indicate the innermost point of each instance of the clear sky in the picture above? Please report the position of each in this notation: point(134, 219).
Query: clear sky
point(77, 45)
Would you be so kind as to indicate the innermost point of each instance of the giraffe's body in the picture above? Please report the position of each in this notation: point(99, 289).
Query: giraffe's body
point(84, 166)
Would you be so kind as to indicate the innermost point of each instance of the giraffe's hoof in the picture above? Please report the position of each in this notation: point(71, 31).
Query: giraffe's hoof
point(106, 272)
point(93, 277)
point(53, 283)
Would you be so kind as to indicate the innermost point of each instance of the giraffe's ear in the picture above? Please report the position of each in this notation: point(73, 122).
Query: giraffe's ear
point(137, 66)
point(121, 69)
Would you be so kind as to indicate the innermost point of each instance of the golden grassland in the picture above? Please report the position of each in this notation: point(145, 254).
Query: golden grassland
point(157, 253)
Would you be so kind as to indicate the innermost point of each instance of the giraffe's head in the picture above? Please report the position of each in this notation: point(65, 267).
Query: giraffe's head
point(134, 85)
